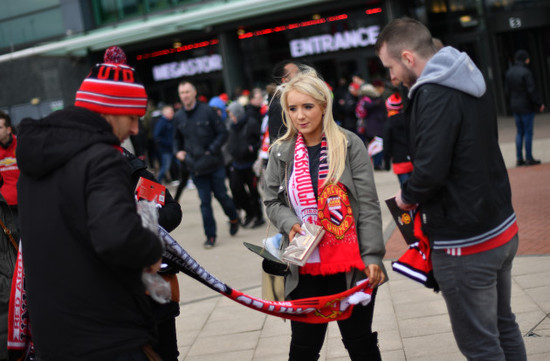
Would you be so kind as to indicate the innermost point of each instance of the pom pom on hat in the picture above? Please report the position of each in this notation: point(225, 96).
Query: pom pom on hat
point(114, 55)
point(394, 102)
point(112, 87)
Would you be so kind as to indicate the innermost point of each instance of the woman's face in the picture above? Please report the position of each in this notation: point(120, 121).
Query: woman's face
point(306, 116)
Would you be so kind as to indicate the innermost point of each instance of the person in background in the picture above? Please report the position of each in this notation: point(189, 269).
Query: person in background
point(313, 164)
point(283, 72)
point(243, 146)
point(459, 187)
point(199, 137)
point(396, 145)
point(371, 115)
point(9, 172)
point(524, 100)
point(255, 104)
point(164, 140)
point(85, 248)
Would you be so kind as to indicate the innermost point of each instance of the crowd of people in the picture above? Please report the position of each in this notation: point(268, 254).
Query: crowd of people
point(70, 196)
point(235, 129)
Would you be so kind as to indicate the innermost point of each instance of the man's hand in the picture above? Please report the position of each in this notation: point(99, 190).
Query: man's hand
point(542, 108)
point(154, 268)
point(181, 155)
point(404, 206)
point(375, 275)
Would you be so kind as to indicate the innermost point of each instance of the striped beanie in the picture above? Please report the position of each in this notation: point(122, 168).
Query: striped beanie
point(112, 87)
point(394, 102)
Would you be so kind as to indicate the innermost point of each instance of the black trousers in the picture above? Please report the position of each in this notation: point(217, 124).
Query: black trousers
point(308, 336)
point(244, 188)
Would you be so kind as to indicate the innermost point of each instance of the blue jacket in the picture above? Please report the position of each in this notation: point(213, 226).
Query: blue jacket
point(164, 135)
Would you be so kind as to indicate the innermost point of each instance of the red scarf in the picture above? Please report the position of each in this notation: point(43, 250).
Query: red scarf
point(338, 251)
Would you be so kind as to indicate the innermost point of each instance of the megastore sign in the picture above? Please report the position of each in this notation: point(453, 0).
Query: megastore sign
point(190, 67)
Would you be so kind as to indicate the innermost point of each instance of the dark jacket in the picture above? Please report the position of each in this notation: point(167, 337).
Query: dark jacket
point(459, 180)
point(170, 214)
point(275, 122)
point(375, 118)
point(84, 245)
point(521, 89)
point(201, 133)
point(244, 141)
point(396, 145)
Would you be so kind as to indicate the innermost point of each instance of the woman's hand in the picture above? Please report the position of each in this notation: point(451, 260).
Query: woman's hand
point(375, 275)
point(295, 229)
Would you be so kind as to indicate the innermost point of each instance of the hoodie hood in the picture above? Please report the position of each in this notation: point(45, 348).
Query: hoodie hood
point(217, 102)
point(46, 144)
point(453, 69)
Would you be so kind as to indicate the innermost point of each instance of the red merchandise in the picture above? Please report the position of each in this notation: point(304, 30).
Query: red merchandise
point(9, 172)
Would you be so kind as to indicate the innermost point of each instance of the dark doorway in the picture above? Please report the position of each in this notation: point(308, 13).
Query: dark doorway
point(537, 43)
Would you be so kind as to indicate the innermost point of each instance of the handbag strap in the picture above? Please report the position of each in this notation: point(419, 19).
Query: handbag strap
point(7, 232)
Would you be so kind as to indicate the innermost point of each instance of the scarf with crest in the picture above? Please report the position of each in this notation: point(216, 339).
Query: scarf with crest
point(338, 251)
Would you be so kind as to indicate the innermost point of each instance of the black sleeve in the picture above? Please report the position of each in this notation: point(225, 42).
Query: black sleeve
point(437, 124)
point(275, 120)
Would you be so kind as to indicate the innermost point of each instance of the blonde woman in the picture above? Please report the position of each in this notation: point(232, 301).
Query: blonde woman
point(320, 173)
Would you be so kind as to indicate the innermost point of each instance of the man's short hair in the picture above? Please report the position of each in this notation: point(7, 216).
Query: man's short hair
point(184, 82)
point(406, 34)
point(521, 55)
point(6, 117)
point(279, 70)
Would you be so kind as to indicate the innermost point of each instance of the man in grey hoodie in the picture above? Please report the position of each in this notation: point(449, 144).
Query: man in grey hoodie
point(459, 188)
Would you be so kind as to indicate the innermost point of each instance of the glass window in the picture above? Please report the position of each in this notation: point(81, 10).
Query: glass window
point(16, 8)
point(132, 7)
point(31, 28)
point(105, 11)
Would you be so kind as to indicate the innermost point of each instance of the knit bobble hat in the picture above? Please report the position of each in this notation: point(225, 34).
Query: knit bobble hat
point(112, 87)
point(236, 109)
point(394, 102)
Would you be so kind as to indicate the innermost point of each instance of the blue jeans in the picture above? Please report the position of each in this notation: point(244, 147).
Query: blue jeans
point(477, 290)
point(403, 177)
point(524, 126)
point(206, 185)
point(165, 163)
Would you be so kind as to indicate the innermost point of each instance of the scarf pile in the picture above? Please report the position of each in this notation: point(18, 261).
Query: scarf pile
point(338, 251)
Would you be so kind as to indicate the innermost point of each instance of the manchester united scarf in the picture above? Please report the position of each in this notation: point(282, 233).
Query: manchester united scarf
point(338, 251)
point(310, 310)
point(20, 345)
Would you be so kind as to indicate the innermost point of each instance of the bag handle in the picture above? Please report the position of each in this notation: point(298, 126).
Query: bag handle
point(7, 232)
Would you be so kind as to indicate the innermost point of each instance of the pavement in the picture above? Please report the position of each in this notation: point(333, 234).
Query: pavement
point(411, 320)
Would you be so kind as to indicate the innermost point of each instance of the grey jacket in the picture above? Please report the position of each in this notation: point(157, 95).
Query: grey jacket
point(359, 181)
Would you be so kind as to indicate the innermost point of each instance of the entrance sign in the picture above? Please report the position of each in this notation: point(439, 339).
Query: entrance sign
point(190, 67)
point(326, 43)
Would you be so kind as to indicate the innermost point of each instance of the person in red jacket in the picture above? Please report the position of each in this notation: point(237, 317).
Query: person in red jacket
point(9, 171)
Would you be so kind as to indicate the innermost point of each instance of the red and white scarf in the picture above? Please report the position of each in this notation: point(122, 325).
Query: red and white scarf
point(338, 251)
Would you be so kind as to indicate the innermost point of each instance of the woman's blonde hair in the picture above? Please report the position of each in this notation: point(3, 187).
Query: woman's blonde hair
point(309, 82)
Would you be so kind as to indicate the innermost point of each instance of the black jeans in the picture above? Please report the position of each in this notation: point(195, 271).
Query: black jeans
point(311, 336)
point(244, 188)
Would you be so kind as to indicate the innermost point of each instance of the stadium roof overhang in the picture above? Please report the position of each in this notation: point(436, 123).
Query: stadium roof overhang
point(196, 18)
